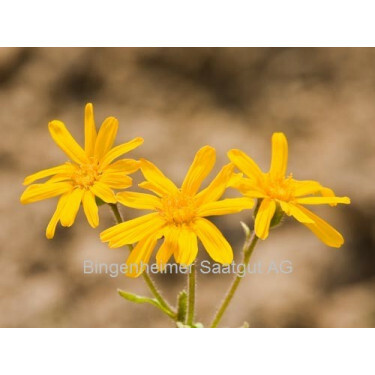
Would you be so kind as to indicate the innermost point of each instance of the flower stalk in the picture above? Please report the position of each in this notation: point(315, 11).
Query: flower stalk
point(191, 305)
point(248, 249)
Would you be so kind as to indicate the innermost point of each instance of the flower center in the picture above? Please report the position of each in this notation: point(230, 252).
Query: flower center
point(178, 209)
point(281, 189)
point(85, 175)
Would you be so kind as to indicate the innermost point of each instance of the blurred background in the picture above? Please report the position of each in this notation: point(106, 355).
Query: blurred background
point(180, 100)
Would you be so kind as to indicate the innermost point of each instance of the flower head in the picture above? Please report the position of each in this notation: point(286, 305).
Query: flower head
point(179, 215)
point(276, 191)
point(90, 173)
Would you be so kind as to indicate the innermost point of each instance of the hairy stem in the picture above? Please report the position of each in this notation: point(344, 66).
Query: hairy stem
point(191, 306)
point(248, 249)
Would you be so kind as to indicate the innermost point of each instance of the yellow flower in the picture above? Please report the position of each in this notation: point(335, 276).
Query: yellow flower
point(179, 215)
point(277, 191)
point(91, 172)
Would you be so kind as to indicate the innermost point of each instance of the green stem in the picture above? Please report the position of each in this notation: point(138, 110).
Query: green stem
point(248, 249)
point(116, 212)
point(151, 285)
point(191, 306)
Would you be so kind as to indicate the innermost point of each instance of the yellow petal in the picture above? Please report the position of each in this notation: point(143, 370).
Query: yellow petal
point(133, 230)
point(139, 200)
point(70, 210)
point(106, 137)
point(187, 247)
point(327, 192)
point(38, 192)
point(214, 242)
point(225, 206)
point(169, 246)
point(64, 168)
point(249, 187)
point(234, 179)
point(90, 130)
point(202, 165)
point(151, 187)
point(216, 188)
point(157, 178)
point(245, 164)
point(120, 150)
point(66, 142)
point(254, 194)
point(326, 233)
point(51, 227)
point(103, 191)
point(279, 160)
point(90, 208)
point(302, 188)
point(59, 177)
point(263, 219)
point(323, 200)
point(116, 180)
point(140, 256)
point(67, 175)
point(126, 166)
point(305, 187)
point(293, 210)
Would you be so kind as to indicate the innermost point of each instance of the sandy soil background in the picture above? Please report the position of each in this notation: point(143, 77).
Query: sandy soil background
point(180, 100)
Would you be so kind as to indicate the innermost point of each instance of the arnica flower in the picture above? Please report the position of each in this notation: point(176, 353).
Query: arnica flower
point(179, 217)
point(90, 173)
point(279, 192)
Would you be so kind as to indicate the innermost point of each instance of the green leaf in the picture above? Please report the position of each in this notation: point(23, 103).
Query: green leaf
point(137, 299)
point(140, 299)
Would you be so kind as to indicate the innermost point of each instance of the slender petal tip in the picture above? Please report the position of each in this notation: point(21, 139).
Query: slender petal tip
point(56, 125)
point(22, 199)
point(207, 148)
point(138, 140)
point(279, 134)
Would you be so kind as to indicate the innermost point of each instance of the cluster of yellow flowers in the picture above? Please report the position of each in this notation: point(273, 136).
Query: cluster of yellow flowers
point(179, 215)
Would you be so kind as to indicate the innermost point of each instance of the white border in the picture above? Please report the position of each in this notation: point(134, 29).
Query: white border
point(187, 23)
point(192, 23)
point(187, 351)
